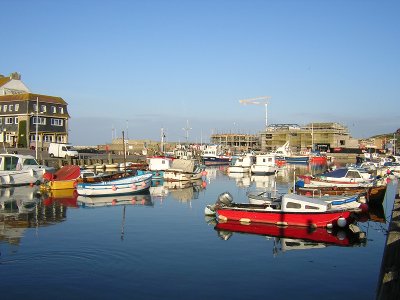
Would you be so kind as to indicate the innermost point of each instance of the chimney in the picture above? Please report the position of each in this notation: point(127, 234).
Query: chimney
point(15, 76)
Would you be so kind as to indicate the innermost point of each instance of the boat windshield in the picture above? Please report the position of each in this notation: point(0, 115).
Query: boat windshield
point(30, 162)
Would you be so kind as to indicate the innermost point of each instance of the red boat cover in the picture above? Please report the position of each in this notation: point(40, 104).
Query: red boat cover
point(68, 172)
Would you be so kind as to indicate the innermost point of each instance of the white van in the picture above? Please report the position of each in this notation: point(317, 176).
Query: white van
point(62, 150)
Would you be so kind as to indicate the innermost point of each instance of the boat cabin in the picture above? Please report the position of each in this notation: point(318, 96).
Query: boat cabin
point(15, 162)
point(301, 204)
point(159, 163)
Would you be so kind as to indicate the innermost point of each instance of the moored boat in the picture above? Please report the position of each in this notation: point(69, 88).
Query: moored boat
point(212, 155)
point(373, 194)
point(64, 178)
point(341, 177)
point(291, 210)
point(17, 169)
point(183, 170)
point(125, 184)
point(265, 164)
point(241, 164)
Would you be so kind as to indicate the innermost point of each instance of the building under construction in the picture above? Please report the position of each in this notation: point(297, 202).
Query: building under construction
point(237, 142)
point(320, 136)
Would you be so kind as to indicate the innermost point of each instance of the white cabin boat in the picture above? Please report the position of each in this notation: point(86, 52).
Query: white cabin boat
point(242, 164)
point(265, 164)
point(17, 169)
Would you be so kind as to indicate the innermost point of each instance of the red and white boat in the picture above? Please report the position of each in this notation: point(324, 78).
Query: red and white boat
point(292, 210)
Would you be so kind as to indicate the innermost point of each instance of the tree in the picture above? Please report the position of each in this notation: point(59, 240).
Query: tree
point(22, 138)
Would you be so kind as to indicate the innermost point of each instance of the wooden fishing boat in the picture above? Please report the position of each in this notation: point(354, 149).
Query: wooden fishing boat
point(129, 184)
point(293, 210)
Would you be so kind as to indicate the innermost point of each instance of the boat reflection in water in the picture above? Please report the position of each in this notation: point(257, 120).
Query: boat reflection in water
point(65, 198)
point(21, 199)
point(25, 207)
point(136, 199)
point(293, 237)
point(243, 180)
point(185, 191)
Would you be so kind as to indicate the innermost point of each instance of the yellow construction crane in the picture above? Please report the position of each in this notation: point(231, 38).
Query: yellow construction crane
point(262, 100)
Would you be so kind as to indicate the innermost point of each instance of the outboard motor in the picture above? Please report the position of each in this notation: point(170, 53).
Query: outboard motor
point(224, 199)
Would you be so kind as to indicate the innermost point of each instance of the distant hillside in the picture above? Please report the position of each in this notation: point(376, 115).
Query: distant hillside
point(388, 136)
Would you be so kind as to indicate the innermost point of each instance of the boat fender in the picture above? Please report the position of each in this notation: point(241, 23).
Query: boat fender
point(114, 188)
point(341, 222)
point(134, 187)
point(143, 184)
point(341, 235)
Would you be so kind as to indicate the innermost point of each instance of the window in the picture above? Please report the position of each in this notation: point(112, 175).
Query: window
point(57, 122)
point(10, 107)
point(48, 138)
point(312, 207)
point(54, 109)
point(30, 162)
point(293, 205)
point(16, 120)
point(59, 139)
point(38, 120)
point(61, 109)
point(5, 108)
point(10, 163)
point(43, 108)
point(34, 107)
point(9, 120)
point(16, 107)
point(353, 174)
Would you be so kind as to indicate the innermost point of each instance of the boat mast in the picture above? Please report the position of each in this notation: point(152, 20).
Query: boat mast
point(123, 147)
point(162, 140)
point(312, 136)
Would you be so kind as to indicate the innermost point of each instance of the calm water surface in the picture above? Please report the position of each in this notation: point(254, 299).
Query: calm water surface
point(161, 246)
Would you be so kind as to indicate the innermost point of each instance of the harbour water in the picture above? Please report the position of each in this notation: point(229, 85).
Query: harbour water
point(161, 246)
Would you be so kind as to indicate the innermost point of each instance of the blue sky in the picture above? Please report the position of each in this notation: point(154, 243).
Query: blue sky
point(139, 66)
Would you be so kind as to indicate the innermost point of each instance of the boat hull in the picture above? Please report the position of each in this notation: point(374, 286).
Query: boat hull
point(214, 161)
point(308, 219)
point(122, 186)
